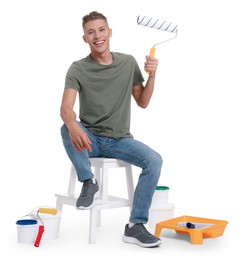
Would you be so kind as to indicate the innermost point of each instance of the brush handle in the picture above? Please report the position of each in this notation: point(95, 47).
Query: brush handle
point(39, 235)
point(152, 52)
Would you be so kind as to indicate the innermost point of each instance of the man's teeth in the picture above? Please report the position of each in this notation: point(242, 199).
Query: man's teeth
point(99, 42)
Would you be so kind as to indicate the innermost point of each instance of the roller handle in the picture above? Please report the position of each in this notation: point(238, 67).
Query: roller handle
point(39, 235)
point(152, 52)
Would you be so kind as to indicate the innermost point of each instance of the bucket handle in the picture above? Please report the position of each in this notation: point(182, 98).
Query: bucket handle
point(28, 215)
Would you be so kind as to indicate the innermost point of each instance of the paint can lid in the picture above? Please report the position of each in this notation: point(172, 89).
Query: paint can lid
point(162, 188)
point(26, 222)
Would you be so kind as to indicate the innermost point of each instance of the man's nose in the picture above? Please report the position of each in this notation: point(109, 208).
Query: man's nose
point(97, 34)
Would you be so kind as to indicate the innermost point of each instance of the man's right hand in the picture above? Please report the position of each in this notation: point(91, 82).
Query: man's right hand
point(79, 138)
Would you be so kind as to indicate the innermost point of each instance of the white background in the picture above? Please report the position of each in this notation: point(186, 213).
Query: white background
point(194, 119)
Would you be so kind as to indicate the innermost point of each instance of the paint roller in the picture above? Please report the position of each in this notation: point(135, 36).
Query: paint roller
point(159, 24)
point(41, 230)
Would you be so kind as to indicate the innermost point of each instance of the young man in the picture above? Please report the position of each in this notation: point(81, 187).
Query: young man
point(106, 81)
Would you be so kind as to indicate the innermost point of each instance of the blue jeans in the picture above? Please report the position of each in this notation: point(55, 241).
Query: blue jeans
point(128, 150)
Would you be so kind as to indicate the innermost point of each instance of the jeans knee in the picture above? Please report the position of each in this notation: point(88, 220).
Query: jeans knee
point(157, 160)
point(154, 164)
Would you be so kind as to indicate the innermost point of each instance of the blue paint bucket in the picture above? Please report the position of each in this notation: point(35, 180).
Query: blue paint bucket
point(27, 230)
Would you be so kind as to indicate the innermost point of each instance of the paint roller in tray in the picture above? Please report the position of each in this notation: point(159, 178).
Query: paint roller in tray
point(159, 24)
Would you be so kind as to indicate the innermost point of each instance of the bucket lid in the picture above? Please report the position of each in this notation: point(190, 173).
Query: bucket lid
point(162, 188)
point(26, 222)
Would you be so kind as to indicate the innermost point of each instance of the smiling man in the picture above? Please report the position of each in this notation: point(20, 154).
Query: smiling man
point(105, 82)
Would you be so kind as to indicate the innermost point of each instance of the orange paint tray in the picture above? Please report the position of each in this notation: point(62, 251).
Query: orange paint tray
point(196, 235)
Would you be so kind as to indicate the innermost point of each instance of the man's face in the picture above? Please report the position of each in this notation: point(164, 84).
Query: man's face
point(97, 34)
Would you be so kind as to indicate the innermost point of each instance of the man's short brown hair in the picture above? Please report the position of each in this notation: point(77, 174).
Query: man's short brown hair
point(93, 16)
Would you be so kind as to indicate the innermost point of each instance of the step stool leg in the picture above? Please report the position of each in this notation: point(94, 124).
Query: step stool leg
point(98, 176)
point(72, 181)
point(59, 204)
point(130, 185)
point(104, 185)
point(93, 225)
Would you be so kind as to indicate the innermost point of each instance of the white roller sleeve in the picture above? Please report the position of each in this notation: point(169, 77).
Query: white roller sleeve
point(156, 23)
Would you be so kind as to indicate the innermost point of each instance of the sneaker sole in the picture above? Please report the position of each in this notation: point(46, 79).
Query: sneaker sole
point(96, 196)
point(132, 240)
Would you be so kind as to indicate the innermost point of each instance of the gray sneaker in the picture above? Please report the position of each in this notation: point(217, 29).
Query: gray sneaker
point(139, 235)
point(89, 192)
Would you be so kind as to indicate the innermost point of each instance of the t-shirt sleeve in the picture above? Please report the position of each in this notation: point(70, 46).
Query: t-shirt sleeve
point(72, 76)
point(138, 77)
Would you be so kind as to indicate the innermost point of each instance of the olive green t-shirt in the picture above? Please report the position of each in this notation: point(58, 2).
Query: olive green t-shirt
point(105, 93)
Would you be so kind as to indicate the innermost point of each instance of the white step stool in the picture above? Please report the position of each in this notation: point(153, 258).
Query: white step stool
point(101, 168)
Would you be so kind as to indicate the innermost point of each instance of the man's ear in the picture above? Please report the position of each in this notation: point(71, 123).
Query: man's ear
point(84, 38)
point(110, 32)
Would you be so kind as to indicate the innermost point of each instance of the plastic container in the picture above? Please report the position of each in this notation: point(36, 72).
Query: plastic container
point(51, 225)
point(27, 230)
point(196, 236)
point(157, 215)
point(160, 197)
point(160, 209)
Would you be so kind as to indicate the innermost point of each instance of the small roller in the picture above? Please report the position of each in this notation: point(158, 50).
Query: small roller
point(52, 211)
point(159, 24)
point(41, 230)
